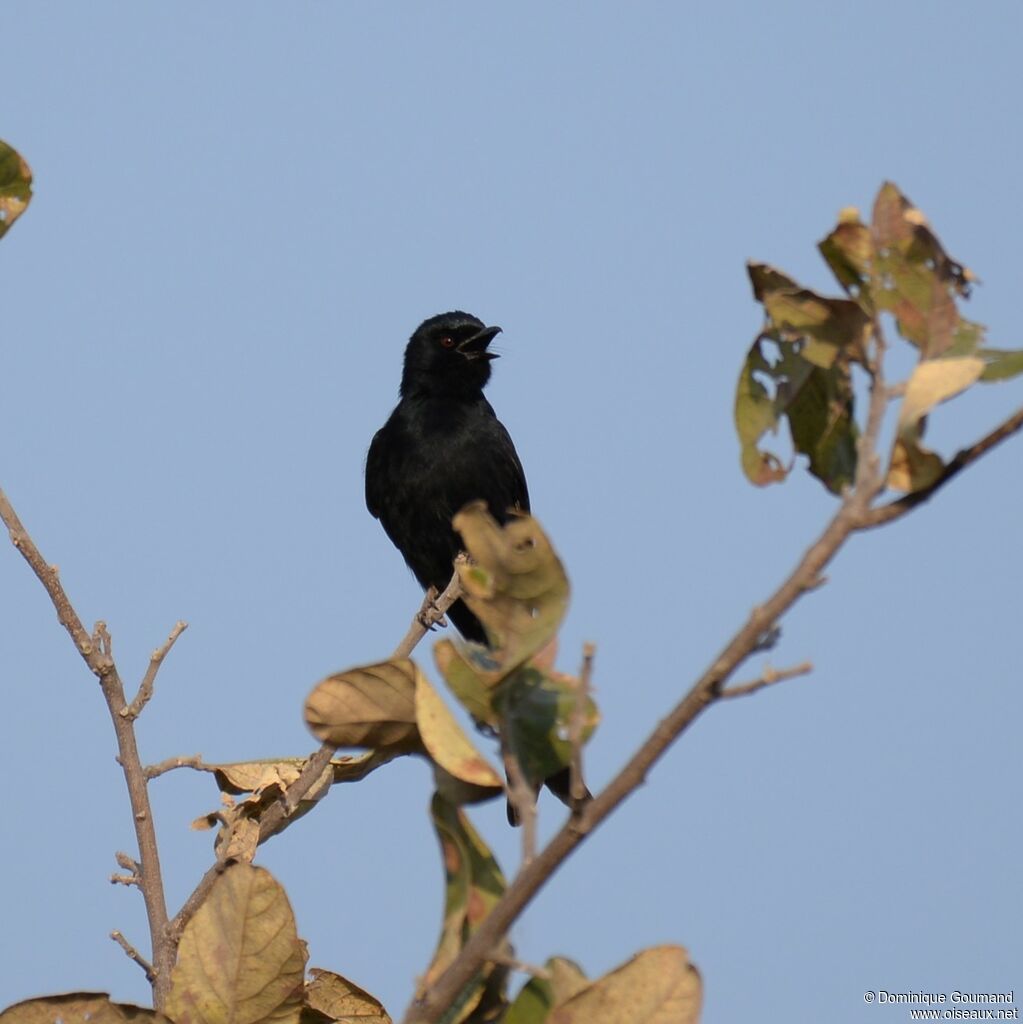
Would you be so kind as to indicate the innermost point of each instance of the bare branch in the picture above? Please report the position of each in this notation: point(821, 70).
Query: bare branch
point(133, 954)
point(431, 611)
point(96, 651)
point(769, 677)
point(141, 699)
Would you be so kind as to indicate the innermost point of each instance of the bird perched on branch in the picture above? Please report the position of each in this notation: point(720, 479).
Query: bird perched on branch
point(441, 448)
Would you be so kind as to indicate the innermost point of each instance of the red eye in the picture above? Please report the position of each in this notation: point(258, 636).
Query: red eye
point(447, 342)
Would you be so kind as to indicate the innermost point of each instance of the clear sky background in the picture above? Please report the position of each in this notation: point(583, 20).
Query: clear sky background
point(242, 212)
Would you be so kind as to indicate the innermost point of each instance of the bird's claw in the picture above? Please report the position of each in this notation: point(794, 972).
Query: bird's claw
point(430, 616)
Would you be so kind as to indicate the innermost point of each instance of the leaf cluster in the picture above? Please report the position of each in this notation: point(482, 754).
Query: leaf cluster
point(800, 366)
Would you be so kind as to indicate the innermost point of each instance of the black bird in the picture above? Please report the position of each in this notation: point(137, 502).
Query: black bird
point(443, 447)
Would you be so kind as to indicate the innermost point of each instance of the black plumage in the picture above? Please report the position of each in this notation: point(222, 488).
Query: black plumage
point(442, 447)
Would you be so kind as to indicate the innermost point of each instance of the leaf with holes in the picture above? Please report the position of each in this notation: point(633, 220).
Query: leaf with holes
point(816, 401)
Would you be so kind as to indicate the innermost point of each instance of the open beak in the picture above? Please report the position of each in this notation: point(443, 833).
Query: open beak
point(476, 346)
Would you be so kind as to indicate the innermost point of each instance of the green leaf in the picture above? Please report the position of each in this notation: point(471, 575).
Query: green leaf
point(15, 187)
point(755, 414)
point(240, 960)
point(657, 986)
point(516, 585)
point(536, 708)
point(532, 1005)
point(800, 314)
point(1000, 364)
point(473, 884)
point(539, 996)
point(816, 401)
point(468, 669)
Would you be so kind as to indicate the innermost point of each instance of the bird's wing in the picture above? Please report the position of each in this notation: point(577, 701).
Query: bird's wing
point(375, 471)
point(508, 485)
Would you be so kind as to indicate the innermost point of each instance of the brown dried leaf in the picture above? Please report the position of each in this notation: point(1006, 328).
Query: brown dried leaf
point(657, 986)
point(371, 706)
point(251, 776)
point(240, 960)
point(79, 1008)
point(342, 1001)
point(914, 278)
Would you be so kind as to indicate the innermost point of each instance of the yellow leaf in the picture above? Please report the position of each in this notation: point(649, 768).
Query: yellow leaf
point(446, 742)
point(240, 960)
point(657, 986)
point(913, 466)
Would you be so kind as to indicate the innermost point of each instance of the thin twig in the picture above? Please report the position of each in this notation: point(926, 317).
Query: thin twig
point(316, 765)
point(142, 698)
point(134, 954)
point(769, 677)
point(154, 771)
point(431, 612)
point(96, 651)
point(127, 862)
point(503, 960)
point(521, 797)
point(576, 726)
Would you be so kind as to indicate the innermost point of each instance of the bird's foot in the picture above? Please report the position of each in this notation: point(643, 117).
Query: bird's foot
point(430, 616)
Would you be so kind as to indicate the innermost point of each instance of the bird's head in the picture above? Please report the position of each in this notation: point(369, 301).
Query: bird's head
point(448, 355)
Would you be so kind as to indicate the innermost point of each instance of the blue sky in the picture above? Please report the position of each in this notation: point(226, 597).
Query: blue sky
point(241, 214)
